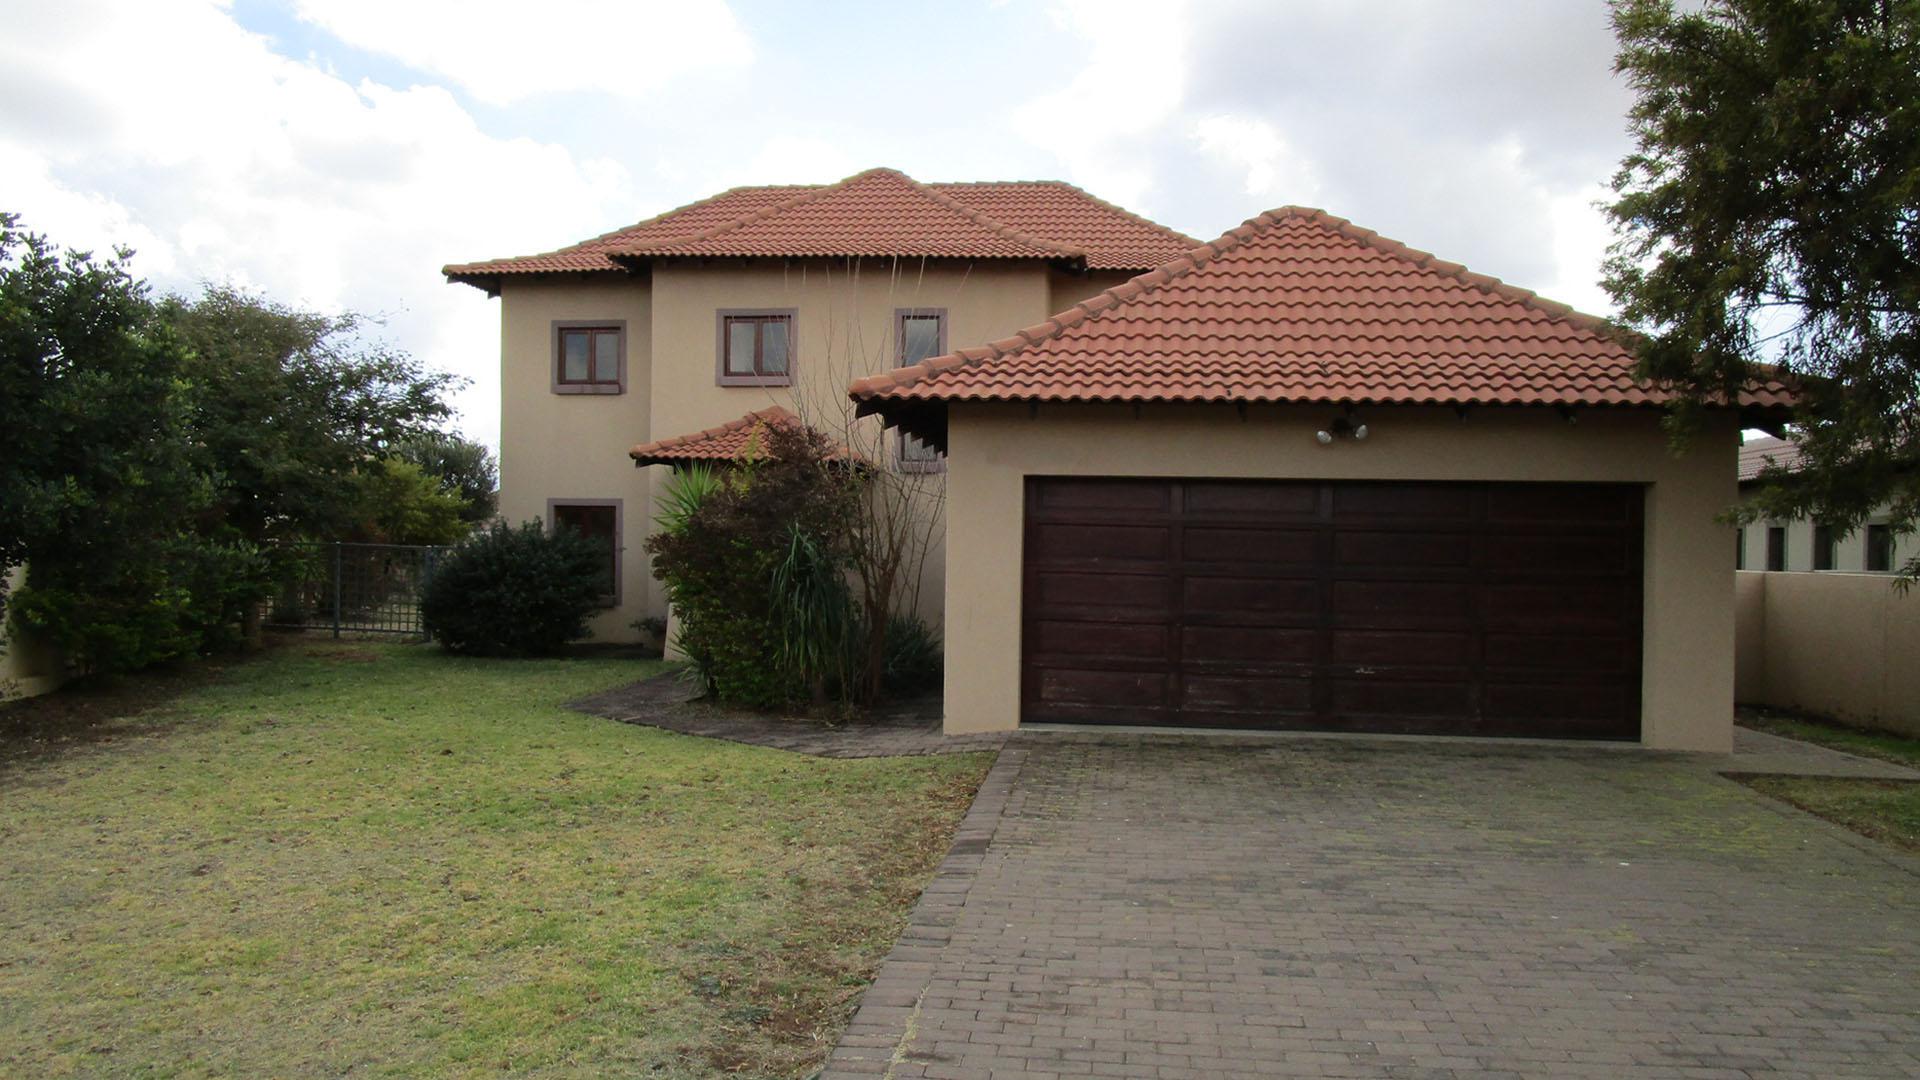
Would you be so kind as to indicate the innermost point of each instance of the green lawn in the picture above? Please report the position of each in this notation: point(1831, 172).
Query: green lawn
point(380, 860)
point(1899, 749)
point(1887, 810)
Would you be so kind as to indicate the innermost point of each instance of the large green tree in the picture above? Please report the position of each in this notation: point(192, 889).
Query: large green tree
point(1770, 215)
point(153, 455)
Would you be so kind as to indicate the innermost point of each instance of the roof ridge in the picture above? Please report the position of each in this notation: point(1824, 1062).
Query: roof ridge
point(582, 245)
point(999, 228)
point(1060, 322)
point(1487, 283)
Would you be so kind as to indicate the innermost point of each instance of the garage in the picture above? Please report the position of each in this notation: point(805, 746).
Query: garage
point(1509, 609)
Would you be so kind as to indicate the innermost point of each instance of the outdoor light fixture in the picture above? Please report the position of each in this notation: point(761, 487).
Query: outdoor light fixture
point(1341, 428)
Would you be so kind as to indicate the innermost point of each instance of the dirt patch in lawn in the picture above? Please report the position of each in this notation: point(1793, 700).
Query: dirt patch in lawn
point(89, 712)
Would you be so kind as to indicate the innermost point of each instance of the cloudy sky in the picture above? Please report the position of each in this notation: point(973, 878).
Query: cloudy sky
point(336, 153)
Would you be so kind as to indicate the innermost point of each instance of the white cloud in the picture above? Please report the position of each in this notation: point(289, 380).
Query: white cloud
point(1274, 169)
point(1133, 82)
point(229, 162)
point(504, 51)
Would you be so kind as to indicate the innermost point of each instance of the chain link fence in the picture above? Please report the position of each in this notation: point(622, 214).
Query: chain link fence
point(355, 588)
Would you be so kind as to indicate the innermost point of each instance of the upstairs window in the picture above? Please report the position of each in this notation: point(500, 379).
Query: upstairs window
point(589, 359)
point(921, 333)
point(756, 348)
point(1776, 548)
point(1880, 548)
point(1740, 549)
point(1823, 545)
point(599, 522)
point(917, 456)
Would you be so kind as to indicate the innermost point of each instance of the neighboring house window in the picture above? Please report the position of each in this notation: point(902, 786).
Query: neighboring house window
point(917, 456)
point(589, 358)
point(1880, 548)
point(598, 521)
point(756, 348)
point(1740, 549)
point(1776, 547)
point(921, 333)
point(1823, 547)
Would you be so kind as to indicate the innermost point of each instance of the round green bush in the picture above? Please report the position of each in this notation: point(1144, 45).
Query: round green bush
point(515, 590)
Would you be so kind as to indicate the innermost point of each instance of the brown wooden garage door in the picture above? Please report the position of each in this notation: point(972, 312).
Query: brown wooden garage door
point(1490, 609)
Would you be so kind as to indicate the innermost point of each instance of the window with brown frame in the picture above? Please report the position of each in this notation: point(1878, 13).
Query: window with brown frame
point(756, 348)
point(920, 333)
point(1879, 548)
point(587, 358)
point(913, 455)
point(1824, 544)
point(599, 522)
point(1776, 547)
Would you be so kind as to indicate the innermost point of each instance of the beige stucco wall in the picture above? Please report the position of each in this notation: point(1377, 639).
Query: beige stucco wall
point(574, 446)
point(1842, 645)
point(1687, 682)
point(26, 667)
point(844, 330)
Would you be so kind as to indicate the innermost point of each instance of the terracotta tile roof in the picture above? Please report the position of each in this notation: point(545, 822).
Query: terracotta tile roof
point(1756, 454)
point(1297, 305)
point(1113, 238)
point(876, 212)
point(728, 442)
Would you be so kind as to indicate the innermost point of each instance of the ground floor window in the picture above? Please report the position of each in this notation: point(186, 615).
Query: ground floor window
point(598, 521)
point(1880, 548)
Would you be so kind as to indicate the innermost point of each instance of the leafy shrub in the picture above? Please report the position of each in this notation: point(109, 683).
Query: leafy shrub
point(914, 663)
point(515, 590)
point(750, 558)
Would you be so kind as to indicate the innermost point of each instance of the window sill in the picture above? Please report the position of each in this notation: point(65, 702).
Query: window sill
point(589, 388)
point(755, 380)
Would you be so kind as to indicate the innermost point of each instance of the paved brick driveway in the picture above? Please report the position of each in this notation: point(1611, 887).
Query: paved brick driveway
point(1145, 907)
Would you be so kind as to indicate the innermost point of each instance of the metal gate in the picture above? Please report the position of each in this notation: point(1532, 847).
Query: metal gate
point(355, 588)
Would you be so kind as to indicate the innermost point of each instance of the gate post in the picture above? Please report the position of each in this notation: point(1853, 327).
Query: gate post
point(336, 588)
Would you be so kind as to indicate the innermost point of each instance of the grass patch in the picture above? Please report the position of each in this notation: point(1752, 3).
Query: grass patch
point(1899, 749)
point(1887, 810)
point(382, 860)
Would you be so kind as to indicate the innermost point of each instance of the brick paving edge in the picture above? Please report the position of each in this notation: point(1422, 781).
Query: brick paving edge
point(883, 1023)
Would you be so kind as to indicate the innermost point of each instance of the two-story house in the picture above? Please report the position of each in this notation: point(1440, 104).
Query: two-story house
point(660, 341)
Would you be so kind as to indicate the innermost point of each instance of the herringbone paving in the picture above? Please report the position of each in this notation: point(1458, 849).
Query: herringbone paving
point(1168, 907)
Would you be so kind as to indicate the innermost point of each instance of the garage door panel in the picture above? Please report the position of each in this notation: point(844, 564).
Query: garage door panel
point(1399, 551)
point(1276, 546)
point(1106, 498)
point(1503, 609)
point(1276, 598)
point(1562, 504)
point(1447, 648)
point(1394, 604)
point(1075, 545)
point(1101, 687)
point(1052, 637)
point(1241, 500)
point(1388, 697)
point(1582, 654)
point(1257, 644)
point(1549, 607)
point(1241, 693)
point(1403, 502)
point(1082, 590)
point(1558, 553)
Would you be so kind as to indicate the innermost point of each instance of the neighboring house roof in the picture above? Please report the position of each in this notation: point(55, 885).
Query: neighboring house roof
point(730, 441)
point(1297, 305)
point(879, 212)
point(1756, 454)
